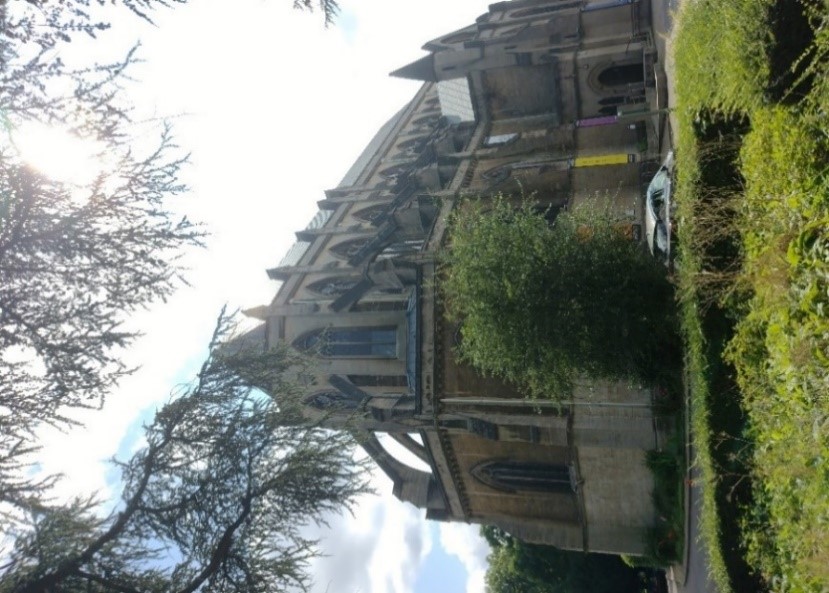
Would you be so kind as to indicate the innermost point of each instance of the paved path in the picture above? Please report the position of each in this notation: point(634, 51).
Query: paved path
point(691, 575)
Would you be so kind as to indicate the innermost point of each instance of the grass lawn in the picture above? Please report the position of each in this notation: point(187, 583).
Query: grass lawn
point(753, 192)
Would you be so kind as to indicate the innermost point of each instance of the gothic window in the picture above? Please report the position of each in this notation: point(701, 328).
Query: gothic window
point(371, 213)
point(401, 248)
point(515, 476)
point(364, 306)
point(622, 75)
point(333, 286)
point(498, 174)
point(365, 342)
point(332, 400)
point(348, 249)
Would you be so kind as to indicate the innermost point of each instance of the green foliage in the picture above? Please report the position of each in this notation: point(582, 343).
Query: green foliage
point(517, 567)
point(779, 349)
point(229, 476)
point(665, 540)
point(541, 304)
point(217, 500)
point(76, 260)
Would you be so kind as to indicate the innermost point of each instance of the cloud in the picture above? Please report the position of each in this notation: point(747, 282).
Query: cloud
point(465, 542)
point(379, 549)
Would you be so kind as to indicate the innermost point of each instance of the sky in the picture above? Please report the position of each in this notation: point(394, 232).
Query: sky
point(273, 109)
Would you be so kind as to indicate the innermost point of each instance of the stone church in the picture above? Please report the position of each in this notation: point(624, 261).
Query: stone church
point(552, 96)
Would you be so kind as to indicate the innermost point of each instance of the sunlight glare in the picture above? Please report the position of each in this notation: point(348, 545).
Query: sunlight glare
point(59, 154)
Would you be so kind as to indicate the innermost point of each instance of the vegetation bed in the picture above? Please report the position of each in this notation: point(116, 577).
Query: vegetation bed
point(754, 212)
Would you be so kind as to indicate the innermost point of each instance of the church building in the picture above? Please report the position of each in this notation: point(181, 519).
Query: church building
point(550, 97)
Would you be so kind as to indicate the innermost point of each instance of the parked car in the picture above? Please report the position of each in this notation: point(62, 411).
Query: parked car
point(659, 213)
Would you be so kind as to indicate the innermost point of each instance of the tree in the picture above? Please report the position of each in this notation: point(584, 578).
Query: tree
point(328, 8)
point(541, 305)
point(218, 498)
point(216, 501)
point(77, 259)
point(517, 567)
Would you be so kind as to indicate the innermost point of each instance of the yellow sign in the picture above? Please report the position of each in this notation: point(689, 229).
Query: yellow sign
point(604, 159)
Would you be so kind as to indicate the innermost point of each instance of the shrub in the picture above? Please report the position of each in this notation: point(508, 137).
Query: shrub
point(541, 304)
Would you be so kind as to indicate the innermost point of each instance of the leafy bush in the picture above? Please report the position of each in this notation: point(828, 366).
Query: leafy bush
point(518, 567)
point(541, 304)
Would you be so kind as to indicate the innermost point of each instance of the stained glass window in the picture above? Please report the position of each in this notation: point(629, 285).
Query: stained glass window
point(521, 475)
point(368, 342)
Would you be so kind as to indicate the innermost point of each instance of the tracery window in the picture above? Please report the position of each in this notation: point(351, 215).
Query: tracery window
point(366, 342)
point(348, 249)
point(333, 286)
point(401, 248)
point(371, 213)
point(498, 174)
point(521, 475)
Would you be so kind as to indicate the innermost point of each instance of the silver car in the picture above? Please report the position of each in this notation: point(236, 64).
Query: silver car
point(659, 212)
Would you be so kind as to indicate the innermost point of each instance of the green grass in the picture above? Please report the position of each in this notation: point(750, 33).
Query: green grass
point(753, 190)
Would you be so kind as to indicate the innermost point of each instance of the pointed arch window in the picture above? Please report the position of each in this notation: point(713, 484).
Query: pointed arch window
point(359, 342)
point(512, 476)
point(333, 286)
point(498, 174)
point(401, 248)
point(371, 213)
point(394, 171)
point(348, 249)
point(622, 75)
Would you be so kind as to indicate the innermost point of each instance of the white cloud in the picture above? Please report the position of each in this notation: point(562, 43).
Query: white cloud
point(465, 542)
point(379, 549)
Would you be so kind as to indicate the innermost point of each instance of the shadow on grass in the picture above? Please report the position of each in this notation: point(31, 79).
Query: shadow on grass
point(719, 139)
point(792, 27)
